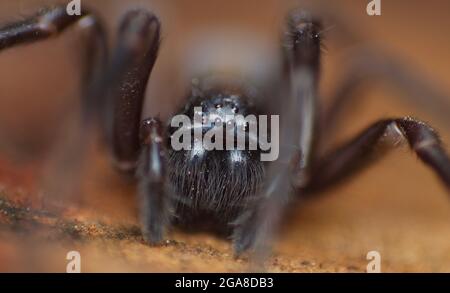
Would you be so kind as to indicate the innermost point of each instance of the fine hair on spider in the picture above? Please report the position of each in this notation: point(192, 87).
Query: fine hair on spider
point(233, 189)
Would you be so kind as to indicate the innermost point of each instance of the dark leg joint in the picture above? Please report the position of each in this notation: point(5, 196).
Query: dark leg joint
point(426, 143)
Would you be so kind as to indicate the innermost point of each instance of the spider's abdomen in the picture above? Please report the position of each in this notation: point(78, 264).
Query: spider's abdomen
point(216, 182)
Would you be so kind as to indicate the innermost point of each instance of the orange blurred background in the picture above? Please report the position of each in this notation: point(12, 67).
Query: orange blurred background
point(396, 207)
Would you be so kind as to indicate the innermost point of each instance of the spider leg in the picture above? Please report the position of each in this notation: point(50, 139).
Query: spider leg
point(154, 188)
point(365, 66)
point(370, 144)
point(69, 150)
point(255, 227)
point(139, 146)
point(52, 22)
point(45, 24)
point(126, 81)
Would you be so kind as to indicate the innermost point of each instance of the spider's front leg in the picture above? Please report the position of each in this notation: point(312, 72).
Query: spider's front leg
point(138, 146)
point(297, 117)
point(126, 81)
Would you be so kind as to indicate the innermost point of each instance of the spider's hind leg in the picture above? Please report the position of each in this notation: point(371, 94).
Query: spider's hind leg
point(365, 67)
point(368, 146)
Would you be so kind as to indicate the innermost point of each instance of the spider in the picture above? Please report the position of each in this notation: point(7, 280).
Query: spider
point(232, 188)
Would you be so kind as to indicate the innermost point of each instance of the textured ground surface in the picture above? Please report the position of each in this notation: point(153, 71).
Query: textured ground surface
point(397, 207)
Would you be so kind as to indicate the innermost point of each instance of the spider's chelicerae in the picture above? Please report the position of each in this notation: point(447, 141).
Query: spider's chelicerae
point(232, 188)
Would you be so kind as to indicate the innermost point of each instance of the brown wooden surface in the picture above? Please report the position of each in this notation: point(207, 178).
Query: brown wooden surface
point(396, 207)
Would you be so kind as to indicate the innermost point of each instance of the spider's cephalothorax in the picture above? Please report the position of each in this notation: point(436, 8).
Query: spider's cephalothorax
point(230, 185)
point(219, 183)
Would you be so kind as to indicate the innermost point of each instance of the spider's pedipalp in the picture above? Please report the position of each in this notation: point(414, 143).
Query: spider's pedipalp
point(154, 190)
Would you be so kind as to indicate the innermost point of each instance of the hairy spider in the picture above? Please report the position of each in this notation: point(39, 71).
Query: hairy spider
point(231, 187)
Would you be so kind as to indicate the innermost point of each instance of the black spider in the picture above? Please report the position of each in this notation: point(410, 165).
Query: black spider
point(233, 188)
